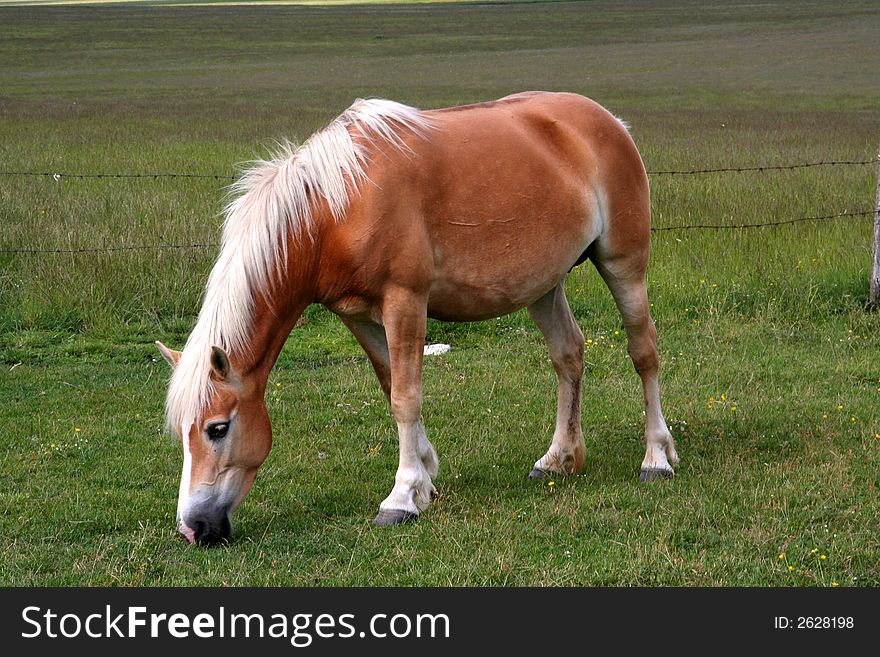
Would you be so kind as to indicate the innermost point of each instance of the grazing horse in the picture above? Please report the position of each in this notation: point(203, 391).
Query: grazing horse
point(391, 215)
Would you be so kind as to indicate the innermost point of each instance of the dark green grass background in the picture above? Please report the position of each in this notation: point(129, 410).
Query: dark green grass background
point(770, 372)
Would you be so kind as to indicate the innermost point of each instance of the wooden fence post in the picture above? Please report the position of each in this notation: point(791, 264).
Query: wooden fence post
point(874, 294)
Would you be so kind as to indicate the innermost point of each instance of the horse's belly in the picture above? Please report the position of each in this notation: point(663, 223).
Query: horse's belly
point(491, 290)
point(493, 268)
point(464, 304)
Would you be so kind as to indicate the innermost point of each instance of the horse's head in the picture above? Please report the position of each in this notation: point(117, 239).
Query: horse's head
point(224, 445)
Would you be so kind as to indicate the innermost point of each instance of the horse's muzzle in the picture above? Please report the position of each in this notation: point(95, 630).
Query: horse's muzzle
point(206, 527)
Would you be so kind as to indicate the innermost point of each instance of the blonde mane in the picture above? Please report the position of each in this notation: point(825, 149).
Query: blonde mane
point(273, 201)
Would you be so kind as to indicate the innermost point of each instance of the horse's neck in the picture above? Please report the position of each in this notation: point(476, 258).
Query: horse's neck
point(274, 319)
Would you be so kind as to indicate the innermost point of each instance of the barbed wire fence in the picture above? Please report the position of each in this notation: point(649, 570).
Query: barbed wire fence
point(58, 176)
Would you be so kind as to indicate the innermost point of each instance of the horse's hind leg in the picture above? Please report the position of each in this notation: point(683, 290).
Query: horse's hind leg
point(566, 344)
point(626, 278)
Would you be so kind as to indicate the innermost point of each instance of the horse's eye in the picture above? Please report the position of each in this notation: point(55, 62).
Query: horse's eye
point(217, 430)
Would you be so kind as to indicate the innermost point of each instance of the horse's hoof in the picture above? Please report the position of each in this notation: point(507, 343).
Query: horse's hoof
point(393, 517)
point(537, 473)
point(651, 474)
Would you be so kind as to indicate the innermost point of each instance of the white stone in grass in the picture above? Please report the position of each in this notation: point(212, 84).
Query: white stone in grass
point(436, 349)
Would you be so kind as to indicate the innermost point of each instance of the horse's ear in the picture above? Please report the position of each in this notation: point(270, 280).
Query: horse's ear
point(220, 363)
point(170, 355)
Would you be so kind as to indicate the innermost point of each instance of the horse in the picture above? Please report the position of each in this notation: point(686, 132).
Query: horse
point(391, 215)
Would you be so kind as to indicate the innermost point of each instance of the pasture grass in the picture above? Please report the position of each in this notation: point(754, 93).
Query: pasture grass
point(769, 357)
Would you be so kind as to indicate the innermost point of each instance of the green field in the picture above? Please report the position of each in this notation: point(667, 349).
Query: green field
point(770, 372)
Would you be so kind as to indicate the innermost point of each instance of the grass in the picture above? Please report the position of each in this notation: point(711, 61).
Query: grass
point(770, 383)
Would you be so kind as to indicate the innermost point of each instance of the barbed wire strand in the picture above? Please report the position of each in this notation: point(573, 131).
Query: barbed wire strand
point(58, 175)
point(762, 168)
point(783, 222)
point(214, 245)
point(112, 249)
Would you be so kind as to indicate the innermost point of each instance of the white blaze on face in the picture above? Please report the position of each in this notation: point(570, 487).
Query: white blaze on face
point(185, 477)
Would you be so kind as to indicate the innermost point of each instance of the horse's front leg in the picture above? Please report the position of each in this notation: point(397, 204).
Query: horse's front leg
point(405, 314)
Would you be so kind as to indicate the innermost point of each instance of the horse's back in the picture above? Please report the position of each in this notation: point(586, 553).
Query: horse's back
point(499, 200)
